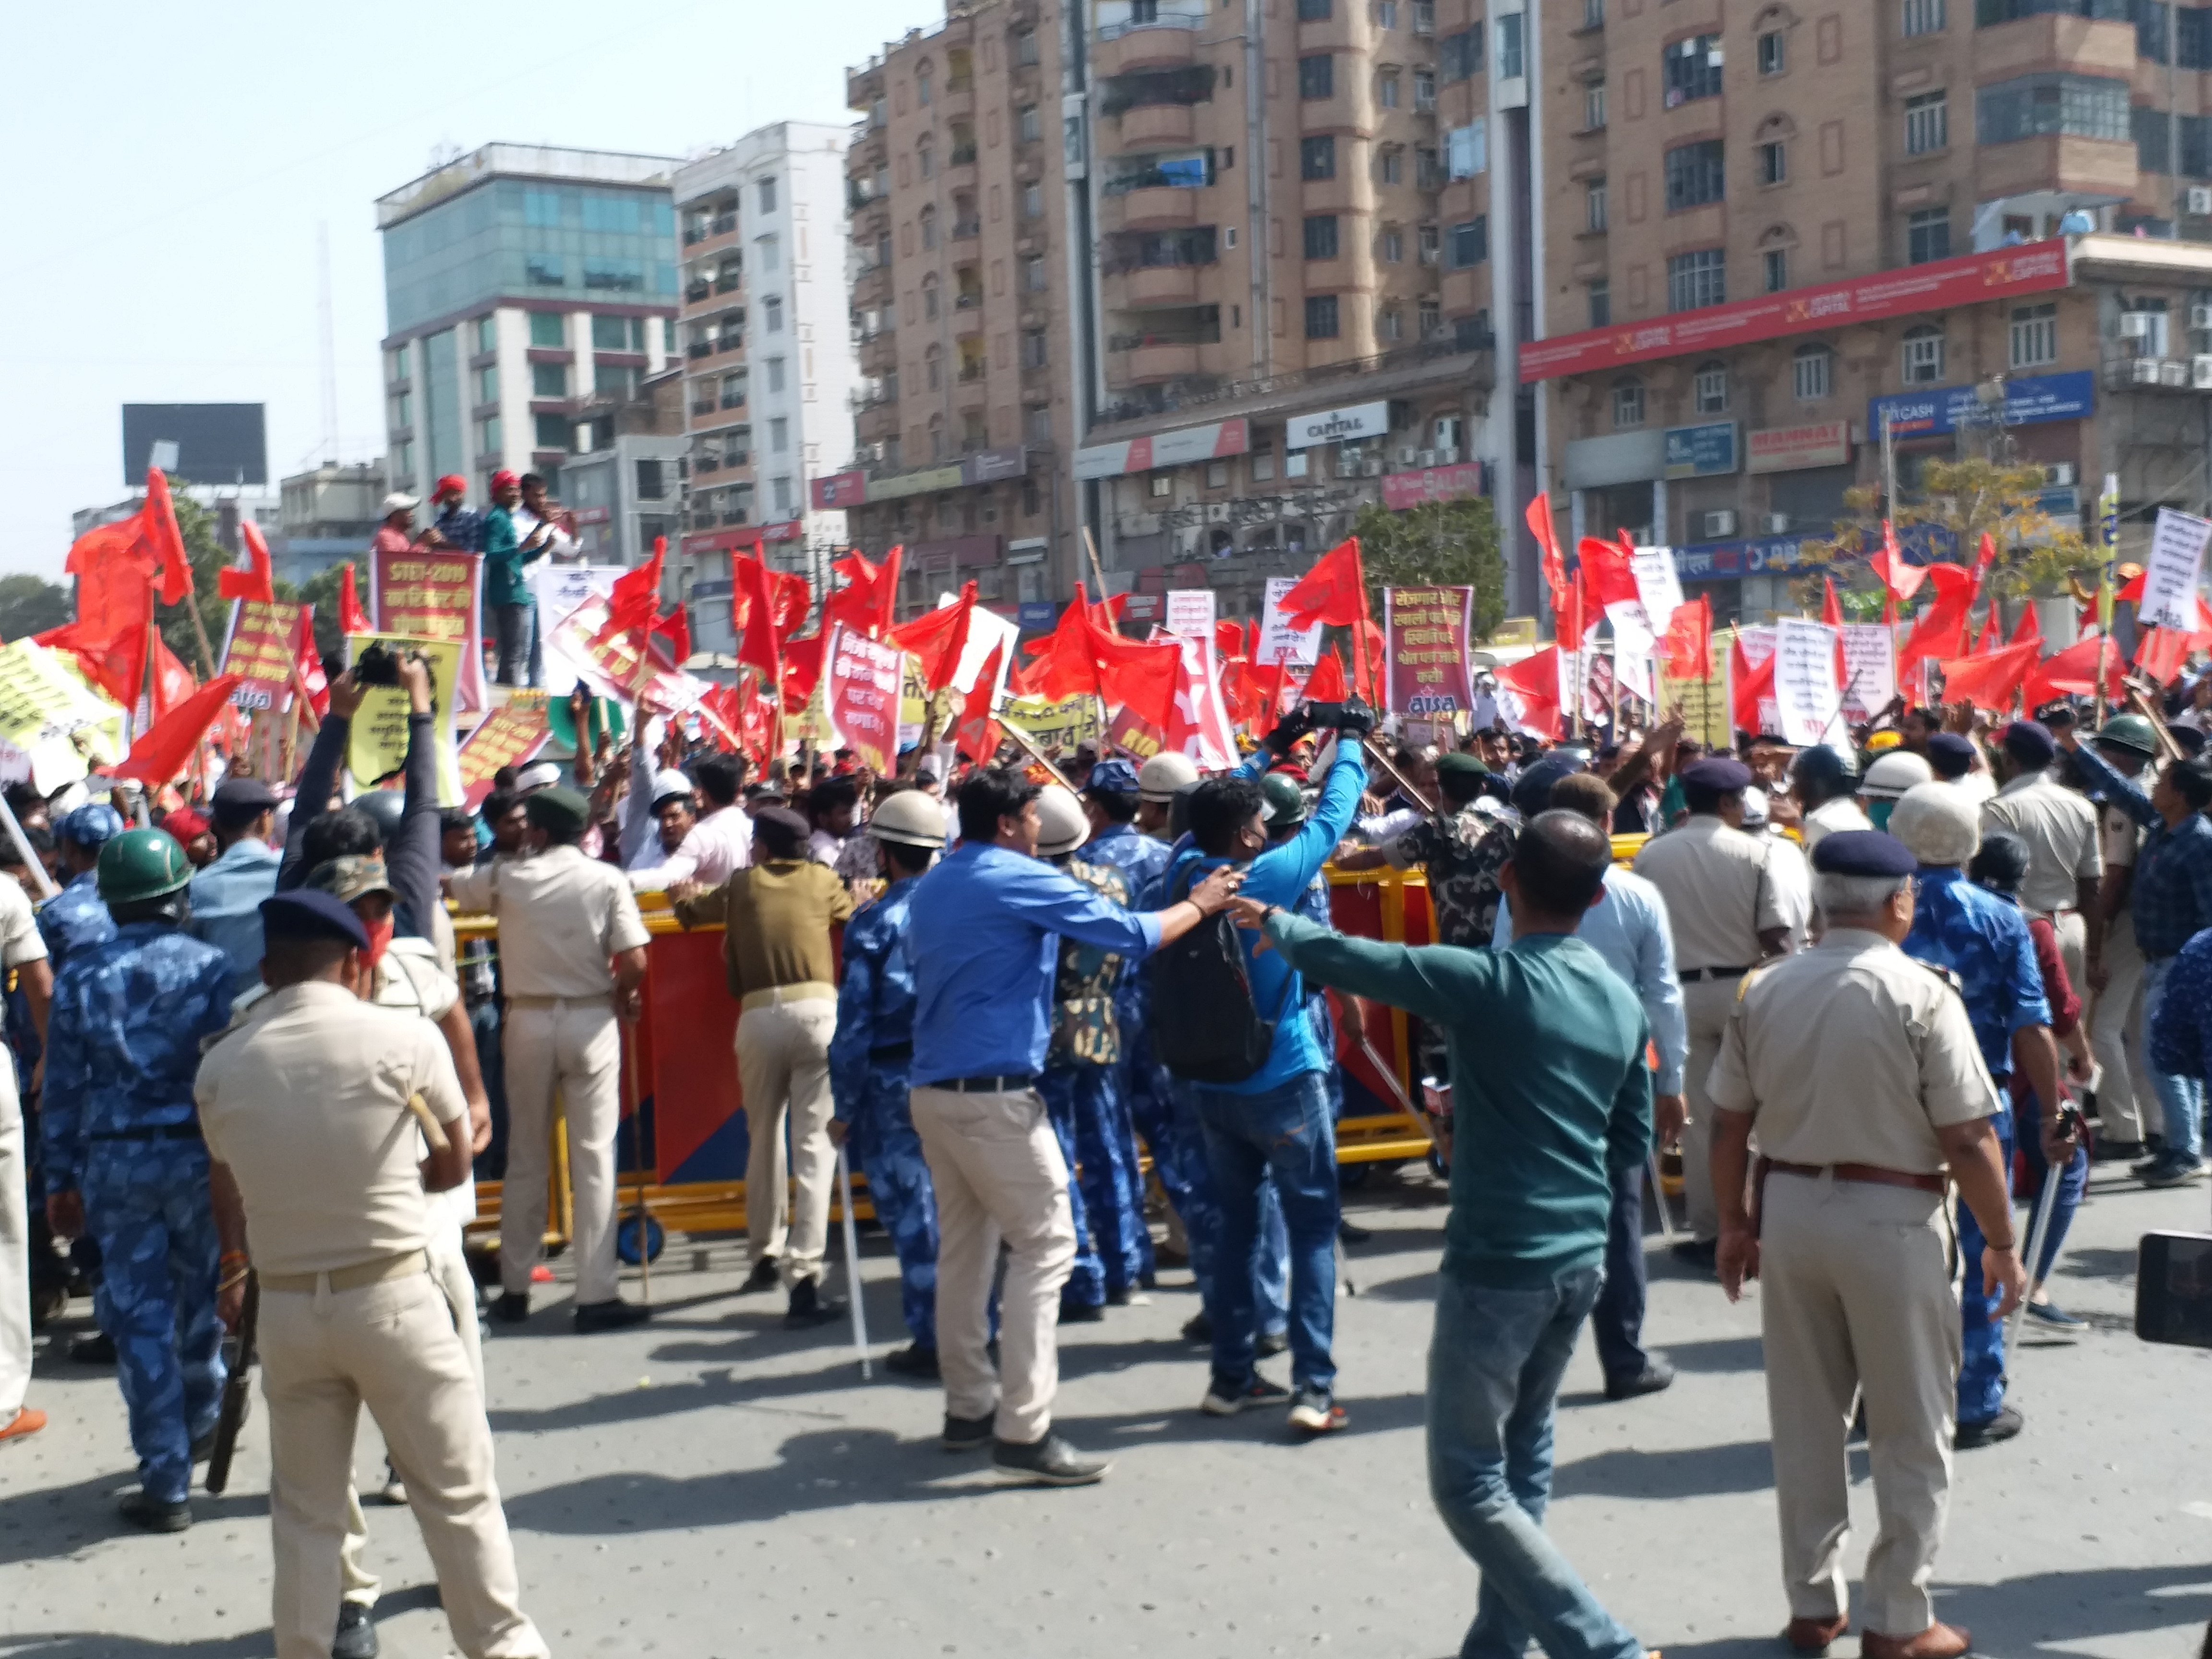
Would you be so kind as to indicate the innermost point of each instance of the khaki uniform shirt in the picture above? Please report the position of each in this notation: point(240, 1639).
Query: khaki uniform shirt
point(1851, 1052)
point(561, 916)
point(775, 918)
point(1828, 817)
point(2060, 829)
point(2120, 837)
point(1720, 894)
point(306, 1104)
point(20, 941)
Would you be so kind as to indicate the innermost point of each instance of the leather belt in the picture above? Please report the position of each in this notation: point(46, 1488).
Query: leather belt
point(1692, 975)
point(405, 1265)
point(1870, 1175)
point(810, 990)
point(1008, 1084)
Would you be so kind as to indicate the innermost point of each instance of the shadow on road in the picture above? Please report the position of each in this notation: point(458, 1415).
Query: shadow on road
point(1686, 1471)
point(39, 1523)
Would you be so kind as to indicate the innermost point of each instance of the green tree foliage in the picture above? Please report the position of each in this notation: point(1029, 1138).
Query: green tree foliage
point(207, 558)
point(1438, 544)
point(321, 591)
point(31, 604)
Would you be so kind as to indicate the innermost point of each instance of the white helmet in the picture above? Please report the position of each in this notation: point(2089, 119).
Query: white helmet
point(1067, 826)
point(1162, 775)
point(910, 818)
point(1892, 773)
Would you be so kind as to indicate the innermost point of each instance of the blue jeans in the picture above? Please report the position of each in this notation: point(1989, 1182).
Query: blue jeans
point(1285, 1134)
point(1494, 1370)
point(2073, 1183)
point(1981, 1333)
point(1202, 1220)
point(2180, 1099)
point(1617, 1321)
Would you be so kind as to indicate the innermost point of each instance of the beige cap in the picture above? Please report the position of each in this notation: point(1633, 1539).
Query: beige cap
point(1938, 823)
point(1067, 826)
point(910, 818)
point(1162, 775)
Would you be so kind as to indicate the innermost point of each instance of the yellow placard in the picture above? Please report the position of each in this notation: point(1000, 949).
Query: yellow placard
point(1057, 724)
point(48, 713)
point(1703, 703)
point(378, 745)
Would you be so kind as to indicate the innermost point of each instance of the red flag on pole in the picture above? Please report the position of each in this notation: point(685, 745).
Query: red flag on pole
point(1541, 526)
point(1689, 642)
point(866, 602)
point(1832, 608)
point(258, 580)
point(978, 733)
point(1988, 680)
point(352, 619)
point(158, 525)
point(1941, 631)
point(165, 748)
point(938, 638)
point(1902, 579)
point(761, 645)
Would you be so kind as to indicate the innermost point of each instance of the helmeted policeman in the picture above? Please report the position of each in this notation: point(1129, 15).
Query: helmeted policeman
point(1822, 782)
point(75, 918)
point(124, 1160)
point(869, 1058)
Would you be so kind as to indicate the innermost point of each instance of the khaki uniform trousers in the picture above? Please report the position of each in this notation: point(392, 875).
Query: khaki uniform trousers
point(996, 1165)
point(1856, 1299)
point(2127, 1106)
point(577, 1046)
point(393, 1347)
point(14, 1252)
point(1706, 1006)
point(783, 1065)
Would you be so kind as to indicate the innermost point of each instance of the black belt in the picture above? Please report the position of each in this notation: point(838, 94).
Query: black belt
point(169, 1131)
point(1692, 975)
point(1006, 1085)
point(892, 1051)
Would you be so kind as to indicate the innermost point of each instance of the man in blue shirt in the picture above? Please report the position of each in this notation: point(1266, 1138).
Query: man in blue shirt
point(226, 901)
point(1277, 1121)
point(76, 918)
point(985, 927)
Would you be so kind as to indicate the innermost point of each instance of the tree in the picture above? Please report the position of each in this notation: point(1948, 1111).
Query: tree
point(321, 591)
point(31, 604)
point(1438, 544)
point(206, 555)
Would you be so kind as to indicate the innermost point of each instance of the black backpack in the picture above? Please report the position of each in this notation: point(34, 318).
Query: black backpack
point(1206, 1026)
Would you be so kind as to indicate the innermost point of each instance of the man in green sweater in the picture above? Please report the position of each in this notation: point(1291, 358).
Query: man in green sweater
point(1551, 1094)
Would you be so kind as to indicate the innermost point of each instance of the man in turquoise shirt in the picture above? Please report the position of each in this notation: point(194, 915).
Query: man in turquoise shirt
point(1551, 1093)
point(506, 594)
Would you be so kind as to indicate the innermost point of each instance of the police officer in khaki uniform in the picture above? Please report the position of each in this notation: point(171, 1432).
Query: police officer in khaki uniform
point(572, 953)
point(1858, 1070)
point(1729, 914)
point(317, 1177)
point(2065, 864)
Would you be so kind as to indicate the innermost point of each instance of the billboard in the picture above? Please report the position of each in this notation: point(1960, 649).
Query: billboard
point(214, 443)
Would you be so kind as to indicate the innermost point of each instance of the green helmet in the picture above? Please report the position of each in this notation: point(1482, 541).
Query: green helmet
point(2129, 732)
point(1283, 803)
point(142, 865)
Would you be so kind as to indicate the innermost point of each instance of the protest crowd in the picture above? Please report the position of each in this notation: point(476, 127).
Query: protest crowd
point(290, 974)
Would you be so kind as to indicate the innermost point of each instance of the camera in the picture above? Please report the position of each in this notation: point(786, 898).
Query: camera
point(379, 664)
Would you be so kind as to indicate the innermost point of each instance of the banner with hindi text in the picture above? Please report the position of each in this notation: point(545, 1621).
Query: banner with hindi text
point(861, 683)
point(377, 745)
point(510, 735)
point(1426, 634)
point(267, 640)
point(426, 593)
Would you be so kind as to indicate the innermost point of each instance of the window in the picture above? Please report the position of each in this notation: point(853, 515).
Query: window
point(1467, 150)
point(1459, 56)
point(1927, 123)
point(548, 328)
point(1317, 76)
point(488, 385)
point(552, 431)
point(766, 190)
point(1509, 67)
point(1317, 158)
point(488, 436)
point(1390, 165)
point(1692, 68)
point(1029, 125)
point(402, 461)
point(1430, 241)
point(1425, 90)
point(1773, 164)
point(1695, 175)
point(1601, 305)
point(1709, 388)
point(549, 379)
point(1033, 347)
point(929, 301)
point(1032, 201)
point(1390, 324)
point(1321, 317)
point(1386, 91)
point(618, 384)
point(1696, 280)
point(928, 228)
point(1161, 485)
point(1593, 105)
point(1427, 175)
point(779, 436)
point(1774, 54)
point(1025, 49)
point(1923, 17)
point(733, 391)
point(1776, 261)
point(1923, 355)
point(781, 489)
point(1593, 14)
point(1314, 11)
point(1628, 403)
point(772, 315)
point(1386, 14)
point(1470, 242)
point(2035, 335)
point(1321, 236)
point(1394, 247)
point(924, 158)
point(487, 340)
point(1033, 278)
point(923, 90)
point(1809, 374)
point(1927, 236)
point(2036, 106)
point(1036, 428)
point(774, 368)
point(613, 334)
point(933, 366)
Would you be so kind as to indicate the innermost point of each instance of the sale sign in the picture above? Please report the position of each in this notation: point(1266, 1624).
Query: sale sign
point(1425, 633)
point(432, 594)
point(510, 735)
point(267, 639)
point(861, 685)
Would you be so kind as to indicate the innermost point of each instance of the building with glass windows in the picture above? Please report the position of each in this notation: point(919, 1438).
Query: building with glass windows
point(528, 291)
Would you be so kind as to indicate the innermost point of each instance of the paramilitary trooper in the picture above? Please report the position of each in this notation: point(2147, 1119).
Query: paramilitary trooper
point(869, 1059)
point(125, 1161)
point(76, 917)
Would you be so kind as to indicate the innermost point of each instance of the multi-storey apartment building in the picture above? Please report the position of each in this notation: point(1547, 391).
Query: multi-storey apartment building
point(524, 287)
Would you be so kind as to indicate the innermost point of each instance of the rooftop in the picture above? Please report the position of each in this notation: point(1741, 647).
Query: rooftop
point(587, 166)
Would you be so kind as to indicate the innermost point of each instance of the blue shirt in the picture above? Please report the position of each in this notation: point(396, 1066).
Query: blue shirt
point(985, 926)
point(123, 1041)
point(1281, 876)
point(875, 1001)
point(2172, 897)
point(2181, 1023)
point(75, 919)
point(1629, 929)
point(226, 908)
point(1982, 941)
point(1139, 858)
point(463, 527)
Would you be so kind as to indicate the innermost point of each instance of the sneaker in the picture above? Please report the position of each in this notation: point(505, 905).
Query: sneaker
point(1224, 1399)
point(1198, 1328)
point(93, 1348)
point(356, 1637)
point(808, 1307)
point(1656, 1374)
point(762, 1278)
point(1268, 1344)
point(511, 1307)
point(1082, 1313)
point(393, 1492)
point(2052, 1317)
point(1050, 1461)
point(2006, 1424)
point(1314, 1411)
point(153, 1514)
point(914, 1360)
point(2173, 1170)
point(21, 1427)
point(615, 1315)
point(965, 1433)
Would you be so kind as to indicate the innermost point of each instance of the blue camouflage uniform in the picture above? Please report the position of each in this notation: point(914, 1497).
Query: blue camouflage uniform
point(869, 1060)
point(74, 920)
point(122, 1045)
point(1982, 940)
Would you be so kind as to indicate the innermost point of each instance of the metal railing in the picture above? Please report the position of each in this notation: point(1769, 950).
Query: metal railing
point(1165, 337)
point(1165, 19)
point(963, 156)
point(733, 400)
point(694, 292)
point(962, 230)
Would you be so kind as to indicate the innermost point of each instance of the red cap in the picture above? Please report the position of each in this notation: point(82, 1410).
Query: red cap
point(451, 484)
point(185, 825)
point(501, 479)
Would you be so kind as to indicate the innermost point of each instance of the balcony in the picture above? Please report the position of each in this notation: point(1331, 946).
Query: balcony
point(1155, 126)
point(963, 156)
point(972, 373)
point(729, 281)
point(731, 400)
point(1403, 370)
point(707, 230)
point(2080, 46)
point(699, 348)
point(1164, 42)
point(874, 425)
point(695, 291)
point(1153, 286)
point(1158, 208)
point(1144, 364)
point(966, 230)
point(702, 405)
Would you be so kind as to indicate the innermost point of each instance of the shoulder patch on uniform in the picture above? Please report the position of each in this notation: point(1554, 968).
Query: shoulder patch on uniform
point(1743, 985)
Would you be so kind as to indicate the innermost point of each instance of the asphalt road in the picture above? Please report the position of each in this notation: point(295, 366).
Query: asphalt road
point(711, 1486)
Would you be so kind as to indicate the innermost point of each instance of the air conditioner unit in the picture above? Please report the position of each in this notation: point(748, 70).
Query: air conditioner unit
point(1373, 468)
point(2135, 325)
point(1447, 454)
point(1777, 524)
point(2060, 474)
point(1407, 455)
point(2144, 371)
point(2200, 315)
point(2171, 371)
point(1426, 458)
point(2200, 200)
point(1189, 541)
point(2200, 371)
point(1721, 525)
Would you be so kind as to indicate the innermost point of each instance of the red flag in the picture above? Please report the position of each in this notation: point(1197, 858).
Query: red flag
point(1142, 678)
point(977, 733)
point(1539, 517)
point(1229, 639)
point(2075, 671)
point(1989, 680)
point(2030, 626)
point(1335, 591)
point(761, 644)
point(1326, 682)
point(165, 541)
point(1749, 686)
point(674, 629)
point(1902, 579)
point(172, 681)
point(313, 674)
point(352, 619)
point(114, 576)
point(802, 671)
point(634, 602)
point(1985, 556)
point(1607, 579)
point(869, 595)
point(1534, 683)
point(258, 580)
point(1941, 631)
point(1689, 642)
point(1832, 608)
point(1991, 637)
point(108, 664)
point(166, 747)
point(1573, 623)
point(938, 638)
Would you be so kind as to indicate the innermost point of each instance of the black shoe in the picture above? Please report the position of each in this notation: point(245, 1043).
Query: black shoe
point(1348, 1234)
point(965, 1433)
point(356, 1637)
point(1698, 1252)
point(511, 1307)
point(2006, 1424)
point(1224, 1399)
point(2118, 1152)
point(155, 1516)
point(1268, 1344)
point(615, 1315)
point(913, 1361)
point(1081, 1313)
point(762, 1278)
point(1121, 1299)
point(93, 1348)
point(1656, 1374)
point(809, 1307)
point(1050, 1461)
point(1198, 1328)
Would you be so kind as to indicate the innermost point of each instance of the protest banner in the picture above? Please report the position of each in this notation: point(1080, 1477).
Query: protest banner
point(558, 589)
point(1806, 694)
point(860, 696)
point(1135, 736)
point(60, 727)
point(1202, 728)
point(427, 593)
point(1635, 649)
point(267, 640)
point(1278, 640)
point(377, 743)
point(612, 667)
point(1061, 724)
point(2177, 555)
point(1190, 613)
point(1426, 645)
point(1702, 703)
point(1658, 585)
point(1870, 669)
point(509, 735)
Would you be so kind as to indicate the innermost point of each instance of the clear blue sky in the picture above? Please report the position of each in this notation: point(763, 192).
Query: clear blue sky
point(169, 165)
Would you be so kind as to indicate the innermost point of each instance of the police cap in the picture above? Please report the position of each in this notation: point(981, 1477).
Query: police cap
point(309, 913)
point(1163, 775)
point(2030, 743)
point(243, 796)
point(1532, 791)
point(1453, 765)
point(1863, 853)
point(1717, 773)
point(91, 827)
point(1951, 755)
point(1112, 777)
point(562, 811)
point(1826, 767)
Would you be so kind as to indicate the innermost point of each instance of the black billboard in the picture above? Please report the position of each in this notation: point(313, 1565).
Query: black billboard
point(215, 443)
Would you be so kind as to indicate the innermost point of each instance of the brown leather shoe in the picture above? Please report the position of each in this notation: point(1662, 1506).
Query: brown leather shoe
point(1938, 1641)
point(1813, 1636)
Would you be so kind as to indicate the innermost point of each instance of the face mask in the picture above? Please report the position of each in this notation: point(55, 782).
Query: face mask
point(1878, 813)
point(380, 939)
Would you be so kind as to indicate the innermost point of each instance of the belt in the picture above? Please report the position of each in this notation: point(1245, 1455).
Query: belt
point(1871, 1175)
point(1692, 975)
point(405, 1265)
point(1006, 1085)
point(165, 1132)
point(598, 1000)
point(892, 1051)
point(807, 990)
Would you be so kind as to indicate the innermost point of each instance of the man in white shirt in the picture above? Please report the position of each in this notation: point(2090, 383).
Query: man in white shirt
point(718, 844)
point(661, 809)
point(833, 806)
point(1822, 782)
